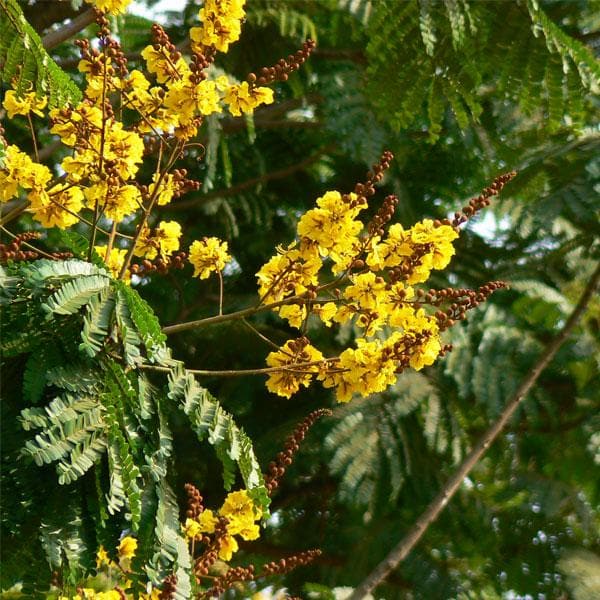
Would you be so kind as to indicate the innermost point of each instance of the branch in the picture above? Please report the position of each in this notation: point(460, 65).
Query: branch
point(234, 316)
point(54, 38)
point(42, 15)
point(250, 183)
point(402, 549)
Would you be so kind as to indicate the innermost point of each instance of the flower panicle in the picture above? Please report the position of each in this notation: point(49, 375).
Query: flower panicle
point(285, 565)
point(284, 67)
point(376, 269)
point(481, 201)
point(284, 459)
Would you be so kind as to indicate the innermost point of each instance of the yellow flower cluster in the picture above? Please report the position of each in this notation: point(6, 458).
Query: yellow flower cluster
point(163, 240)
point(114, 259)
point(241, 514)
point(121, 571)
point(98, 178)
point(298, 362)
point(208, 255)
point(375, 272)
point(113, 7)
point(28, 103)
point(221, 25)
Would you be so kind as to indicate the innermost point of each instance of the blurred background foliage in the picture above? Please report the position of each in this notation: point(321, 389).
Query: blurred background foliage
point(460, 91)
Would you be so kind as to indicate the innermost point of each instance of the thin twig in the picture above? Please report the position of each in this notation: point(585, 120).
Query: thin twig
point(36, 153)
point(14, 237)
point(220, 275)
point(408, 542)
point(264, 338)
point(170, 162)
point(292, 368)
point(247, 312)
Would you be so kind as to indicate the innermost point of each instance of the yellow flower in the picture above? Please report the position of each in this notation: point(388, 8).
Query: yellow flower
point(127, 547)
point(58, 206)
point(291, 271)
point(102, 558)
point(244, 99)
point(162, 66)
point(118, 202)
point(192, 529)
point(228, 547)
point(207, 521)
point(239, 504)
point(333, 227)
point(241, 514)
point(288, 380)
point(24, 104)
point(166, 189)
point(326, 312)
point(113, 7)
point(20, 171)
point(221, 24)
point(114, 262)
point(208, 256)
point(163, 240)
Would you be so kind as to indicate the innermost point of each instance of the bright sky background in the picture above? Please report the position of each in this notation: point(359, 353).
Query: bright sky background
point(139, 8)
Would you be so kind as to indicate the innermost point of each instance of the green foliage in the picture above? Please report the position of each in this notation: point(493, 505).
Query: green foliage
point(25, 64)
point(211, 422)
point(454, 49)
point(373, 446)
point(94, 417)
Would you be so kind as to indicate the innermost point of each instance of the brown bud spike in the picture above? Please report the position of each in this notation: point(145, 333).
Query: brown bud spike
point(291, 446)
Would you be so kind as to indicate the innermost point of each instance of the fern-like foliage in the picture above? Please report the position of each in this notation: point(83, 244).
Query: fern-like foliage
point(88, 411)
point(211, 422)
point(373, 445)
point(290, 22)
point(25, 64)
point(447, 53)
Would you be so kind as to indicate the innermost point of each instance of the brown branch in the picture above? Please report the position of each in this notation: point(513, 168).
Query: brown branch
point(402, 549)
point(54, 38)
point(43, 14)
point(249, 183)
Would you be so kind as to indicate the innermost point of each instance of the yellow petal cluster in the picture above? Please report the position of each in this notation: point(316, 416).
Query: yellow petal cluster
point(241, 514)
point(367, 294)
point(221, 25)
point(208, 255)
point(112, 7)
point(163, 240)
point(115, 259)
point(25, 104)
point(298, 364)
point(244, 98)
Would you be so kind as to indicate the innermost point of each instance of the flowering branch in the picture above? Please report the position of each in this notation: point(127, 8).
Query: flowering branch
point(409, 541)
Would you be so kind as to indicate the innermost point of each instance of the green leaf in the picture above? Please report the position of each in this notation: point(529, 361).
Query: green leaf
point(74, 294)
point(211, 422)
point(25, 63)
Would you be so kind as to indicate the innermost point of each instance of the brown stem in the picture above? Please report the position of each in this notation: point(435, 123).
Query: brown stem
point(54, 38)
point(409, 541)
point(298, 367)
point(220, 291)
point(247, 312)
point(111, 241)
point(36, 153)
point(148, 210)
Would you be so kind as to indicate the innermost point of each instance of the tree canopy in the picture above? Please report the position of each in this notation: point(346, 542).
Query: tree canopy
point(460, 92)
